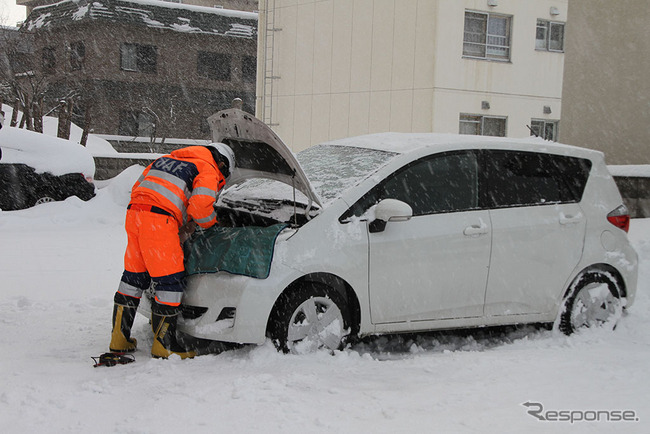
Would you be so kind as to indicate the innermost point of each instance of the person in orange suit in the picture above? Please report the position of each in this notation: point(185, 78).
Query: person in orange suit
point(173, 193)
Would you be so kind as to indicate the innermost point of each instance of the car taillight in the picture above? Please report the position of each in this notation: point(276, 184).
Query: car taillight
point(620, 218)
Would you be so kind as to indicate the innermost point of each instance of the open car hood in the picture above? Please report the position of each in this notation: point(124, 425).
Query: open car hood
point(259, 152)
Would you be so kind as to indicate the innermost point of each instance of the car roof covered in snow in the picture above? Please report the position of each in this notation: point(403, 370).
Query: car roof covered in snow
point(44, 153)
point(403, 143)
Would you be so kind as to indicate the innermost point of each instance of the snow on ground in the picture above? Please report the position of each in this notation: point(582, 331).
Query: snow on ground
point(61, 262)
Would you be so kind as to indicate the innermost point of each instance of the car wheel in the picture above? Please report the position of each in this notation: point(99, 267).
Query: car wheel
point(44, 199)
point(594, 301)
point(309, 319)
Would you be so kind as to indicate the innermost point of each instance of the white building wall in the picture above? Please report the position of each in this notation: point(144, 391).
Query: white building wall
point(518, 89)
point(350, 67)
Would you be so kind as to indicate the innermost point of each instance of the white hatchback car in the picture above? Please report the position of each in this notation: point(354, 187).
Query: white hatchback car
point(391, 233)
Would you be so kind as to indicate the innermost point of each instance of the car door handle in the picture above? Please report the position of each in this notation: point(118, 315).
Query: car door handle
point(570, 219)
point(476, 230)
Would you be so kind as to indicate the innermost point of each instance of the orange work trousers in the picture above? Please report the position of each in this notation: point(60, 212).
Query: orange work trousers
point(153, 253)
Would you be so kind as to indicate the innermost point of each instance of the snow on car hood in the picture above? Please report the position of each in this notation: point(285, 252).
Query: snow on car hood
point(44, 153)
point(259, 152)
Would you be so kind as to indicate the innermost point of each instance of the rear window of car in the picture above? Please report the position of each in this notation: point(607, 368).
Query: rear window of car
point(528, 178)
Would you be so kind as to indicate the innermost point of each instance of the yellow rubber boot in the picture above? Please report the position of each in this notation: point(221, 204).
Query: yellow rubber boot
point(124, 311)
point(163, 322)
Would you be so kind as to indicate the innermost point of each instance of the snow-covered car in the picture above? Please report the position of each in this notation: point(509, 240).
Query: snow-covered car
point(37, 168)
point(392, 233)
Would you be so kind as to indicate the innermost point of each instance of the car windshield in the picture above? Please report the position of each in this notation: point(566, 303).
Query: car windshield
point(332, 169)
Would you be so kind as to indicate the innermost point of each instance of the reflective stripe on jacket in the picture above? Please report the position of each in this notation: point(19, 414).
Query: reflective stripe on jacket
point(185, 183)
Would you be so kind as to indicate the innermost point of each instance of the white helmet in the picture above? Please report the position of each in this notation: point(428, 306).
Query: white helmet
point(226, 154)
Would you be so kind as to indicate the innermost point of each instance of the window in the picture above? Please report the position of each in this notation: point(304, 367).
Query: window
point(547, 130)
point(445, 183)
point(129, 61)
point(49, 60)
point(249, 69)
point(215, 66)
point(482, 125)
point(487, 36)
point(77, 55)
point(439, 184)
point(135, 123)
point(549, 36)
point(528, 178)
point(141, 58)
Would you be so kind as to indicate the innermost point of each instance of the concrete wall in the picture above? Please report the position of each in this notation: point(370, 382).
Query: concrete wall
point(110, 167)
point(350, 67)
point(135, 150)
point(636, 194)
point(606, 95)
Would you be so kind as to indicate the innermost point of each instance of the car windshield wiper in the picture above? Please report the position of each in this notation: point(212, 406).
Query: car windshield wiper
point(263, 205)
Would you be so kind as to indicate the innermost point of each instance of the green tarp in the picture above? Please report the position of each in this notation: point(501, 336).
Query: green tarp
point(247, 250)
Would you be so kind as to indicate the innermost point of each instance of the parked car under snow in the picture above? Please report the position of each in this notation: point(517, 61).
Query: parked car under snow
point(37, 168)
point(392, 233)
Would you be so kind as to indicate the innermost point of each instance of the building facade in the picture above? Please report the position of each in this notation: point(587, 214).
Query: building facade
point(15, 52)
point(335, 68)
point(145, 68)
point(606, 94)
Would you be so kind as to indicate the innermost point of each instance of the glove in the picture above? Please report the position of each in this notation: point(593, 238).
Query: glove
point(186, 230)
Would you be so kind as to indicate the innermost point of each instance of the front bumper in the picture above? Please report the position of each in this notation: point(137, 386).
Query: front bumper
point(238, 307)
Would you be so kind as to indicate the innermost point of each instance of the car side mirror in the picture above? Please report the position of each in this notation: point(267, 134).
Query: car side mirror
point(390, 210)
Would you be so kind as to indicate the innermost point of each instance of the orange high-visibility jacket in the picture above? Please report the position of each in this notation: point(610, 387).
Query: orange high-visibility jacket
point(184, 183)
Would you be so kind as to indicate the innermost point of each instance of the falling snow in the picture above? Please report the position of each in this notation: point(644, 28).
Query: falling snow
point(61, 262)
